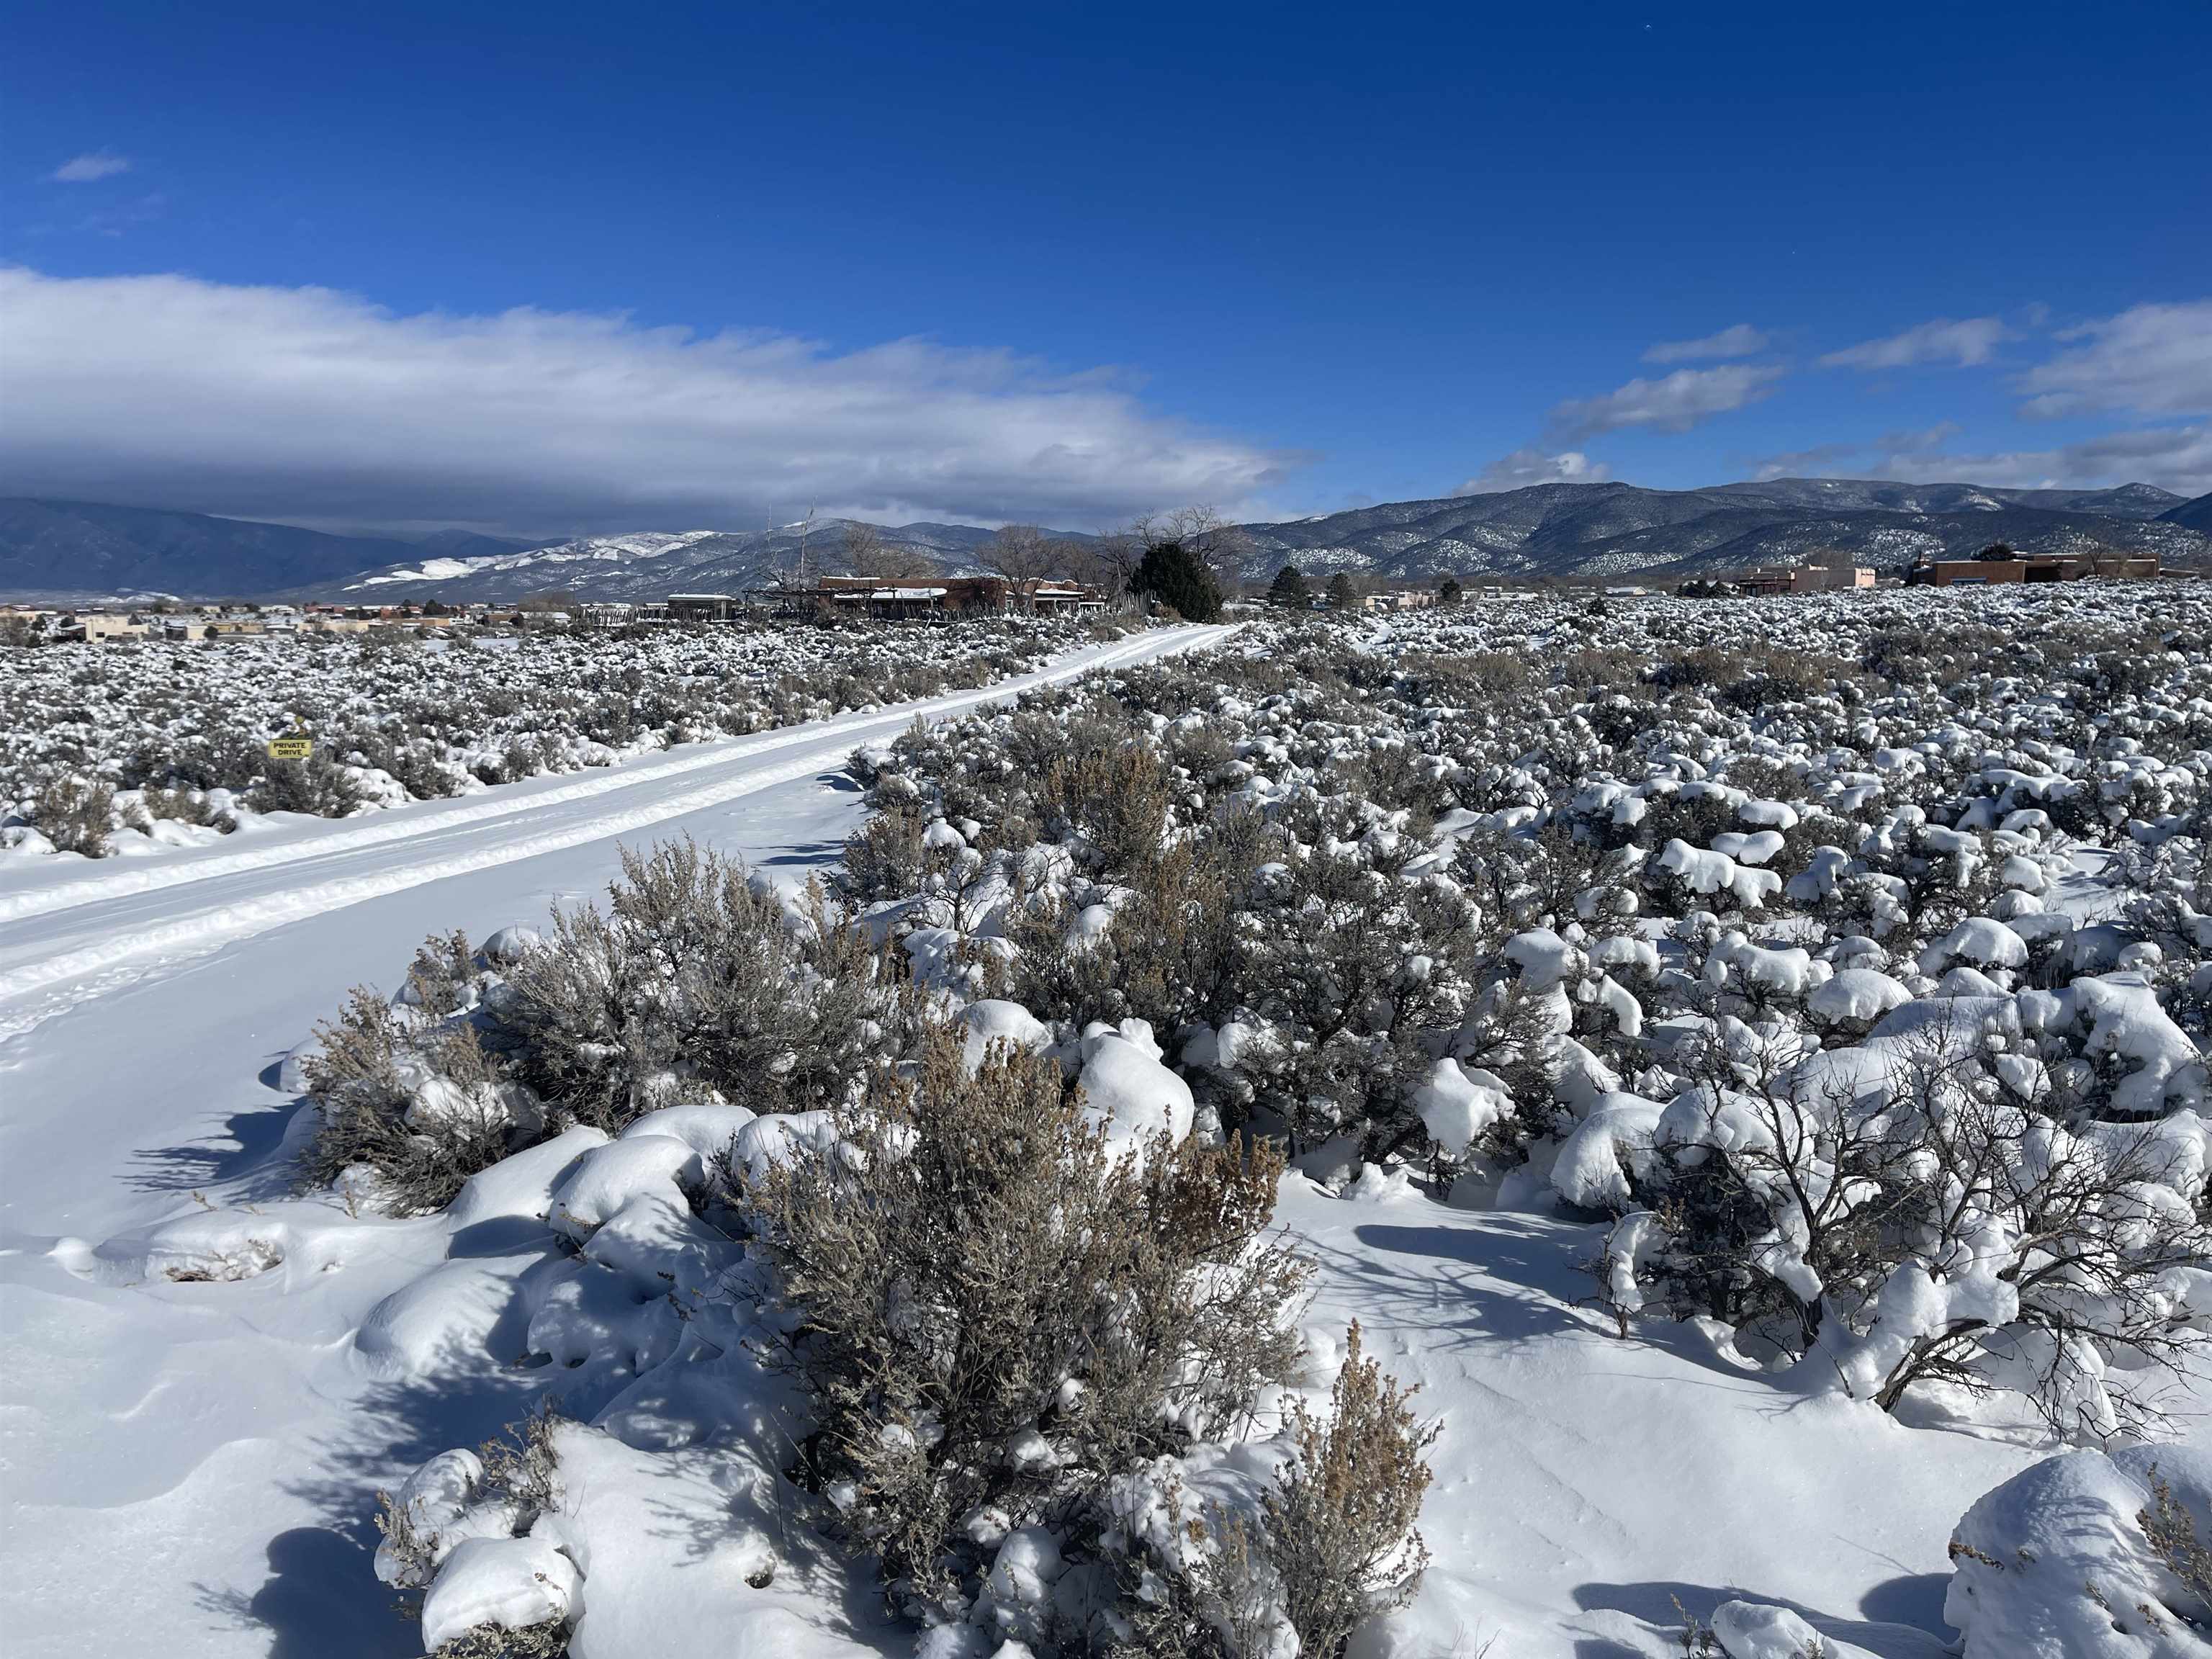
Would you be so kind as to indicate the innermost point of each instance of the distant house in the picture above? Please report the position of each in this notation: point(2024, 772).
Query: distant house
point(1801, 579)
point(1404, 598)
point(2033, 568)
point(704, 607)
point(919, 598)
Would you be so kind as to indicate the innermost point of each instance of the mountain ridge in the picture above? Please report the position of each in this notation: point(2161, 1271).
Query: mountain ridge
point(53, 549)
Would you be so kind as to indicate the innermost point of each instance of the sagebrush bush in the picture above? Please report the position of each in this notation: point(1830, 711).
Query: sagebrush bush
point(1115, 794)
point(1339, 1523)
point(1333, 1543)
point(519, 1476)
point(76, 814)
point(184, 805)
point(2171, 1531)
point(994, 1310)
point(317, 786)
point(365, 1081)
point(692, 973)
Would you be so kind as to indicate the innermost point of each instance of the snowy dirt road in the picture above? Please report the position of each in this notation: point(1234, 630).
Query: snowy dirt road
point(186, 1468)
point(69, 937)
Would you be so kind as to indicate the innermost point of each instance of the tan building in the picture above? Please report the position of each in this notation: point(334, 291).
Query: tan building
point(1802, 579)
point(1403, 599)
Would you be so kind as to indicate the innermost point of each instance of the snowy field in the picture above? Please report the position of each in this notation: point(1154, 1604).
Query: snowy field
point(134, 748)
point(1742, 1063)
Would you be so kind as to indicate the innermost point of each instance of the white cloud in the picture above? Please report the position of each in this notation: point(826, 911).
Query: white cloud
point(1918, 441)
point(1531, 465)
point(1802, 462)
point(1943, 341)
point(2178, 459)
point(304, 403)
point(2151, 359)
point(89, 168)
point(1674, 403)
point(1742, 340)
point(1855, 457)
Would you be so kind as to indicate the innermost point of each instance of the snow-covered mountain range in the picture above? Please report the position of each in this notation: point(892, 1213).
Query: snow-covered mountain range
point(79, 549)
point(651, 564)
point(1603, 528)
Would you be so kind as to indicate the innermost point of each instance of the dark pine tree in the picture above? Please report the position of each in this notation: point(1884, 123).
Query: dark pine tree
point(1172, 575)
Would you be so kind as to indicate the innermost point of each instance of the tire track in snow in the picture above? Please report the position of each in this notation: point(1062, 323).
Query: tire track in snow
point(50, 985)
point(384, 828)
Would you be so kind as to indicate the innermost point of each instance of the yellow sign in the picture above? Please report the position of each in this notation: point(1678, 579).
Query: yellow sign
point(291, 749)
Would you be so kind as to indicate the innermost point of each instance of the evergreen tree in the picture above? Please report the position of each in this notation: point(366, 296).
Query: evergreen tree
point(1172, 575)
point(1343, 594)
point(1449, 591)
point(1290, 588)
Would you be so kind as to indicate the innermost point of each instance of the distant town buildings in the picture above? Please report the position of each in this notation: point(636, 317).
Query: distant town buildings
point(2011, 566)
point(1402, 598)
point(913, 597)
point(1802, 579)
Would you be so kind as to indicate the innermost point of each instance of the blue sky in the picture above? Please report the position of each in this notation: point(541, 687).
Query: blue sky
point(565, 267)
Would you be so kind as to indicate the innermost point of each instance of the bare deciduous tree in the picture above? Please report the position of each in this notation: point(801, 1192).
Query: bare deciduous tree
point(868, 554)
point(1022, 553)
point(1223, 545)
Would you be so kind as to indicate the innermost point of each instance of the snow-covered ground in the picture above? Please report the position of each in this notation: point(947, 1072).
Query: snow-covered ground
point(207, 1377)
point(140, 749)
point(187, 1467)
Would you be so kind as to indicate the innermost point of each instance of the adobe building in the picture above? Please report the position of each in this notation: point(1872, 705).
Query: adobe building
point(2033, 568)
point(1802, 579)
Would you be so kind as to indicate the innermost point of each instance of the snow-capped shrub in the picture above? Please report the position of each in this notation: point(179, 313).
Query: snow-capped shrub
point(1924, 1209)
point(408, 1097)
point(317, 786)
point(1330, 1544)
point(1339, 1524)
point(1113, 799)
point(74, 813)
point(696, 983)
point(995, 1313)
point(2085, 1554)
point(461, 1539)
point(697, 978)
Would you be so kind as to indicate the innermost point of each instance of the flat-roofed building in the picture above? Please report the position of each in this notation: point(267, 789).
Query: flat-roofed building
point(1802, 579)
point(703, 607)
point(2033, 567)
